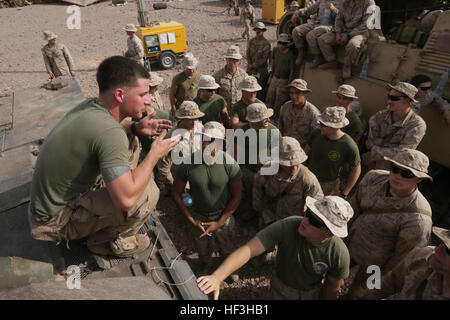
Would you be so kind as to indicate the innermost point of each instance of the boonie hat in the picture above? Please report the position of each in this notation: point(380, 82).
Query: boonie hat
point(233, 52)
point(260, 25)
point(207, 82)
point(188, 110)
point(347, 91)
point(294, 4)
point(189, 61)
point(257, 112)
point(334, 211)
point(155, 79)
point(48, 35)
point(299, 84)
point(442, 234)
point(406, 88)
point(283, 38)
point(249, 84)
point(290, 152)
point(130, 28)
point(412, 160)
point(214, 129)
point(334, 117)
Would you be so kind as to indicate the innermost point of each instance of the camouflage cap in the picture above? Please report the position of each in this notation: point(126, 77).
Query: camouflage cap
point(249, 84)
point(406, 88)
point(294, 4)
point(189, 61)
point(412, 160)
point(257, 112)
point(207, 82)
point(291, 153)
point(49, 35)
point(334, 211)
point(130, 28)
point(283, 38)
point(299, 84)
point(155, 79)
point(214, 129)
point(347, 91)
point(188, 110)
point(233, 52)
point(443, 234)
point(334, 117)
point(260, 25)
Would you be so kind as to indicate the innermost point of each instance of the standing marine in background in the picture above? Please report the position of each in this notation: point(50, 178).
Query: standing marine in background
point(57, 58)
point(135, 50)
point(247, 18)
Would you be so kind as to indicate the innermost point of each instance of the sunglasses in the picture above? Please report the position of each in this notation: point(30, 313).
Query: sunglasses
point(314, 221)
point(404, 173)
point(210, 90)
point(425, 88)
point(395, 98)
point(323, 125)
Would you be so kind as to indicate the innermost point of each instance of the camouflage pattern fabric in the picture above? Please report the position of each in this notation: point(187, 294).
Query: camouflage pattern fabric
point(229, 85)
point(135, 50)
point(431, 98)
point(258, 54)
point(58, 60)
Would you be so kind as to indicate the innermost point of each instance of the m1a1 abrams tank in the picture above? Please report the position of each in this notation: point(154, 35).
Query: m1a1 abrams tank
point(414, 41)
point(31, 269)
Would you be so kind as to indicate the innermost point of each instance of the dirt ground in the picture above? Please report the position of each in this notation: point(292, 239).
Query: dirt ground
point(210, 31)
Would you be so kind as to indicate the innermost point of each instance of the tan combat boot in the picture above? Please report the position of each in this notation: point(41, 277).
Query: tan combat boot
point(329, 65)
point(317, 61)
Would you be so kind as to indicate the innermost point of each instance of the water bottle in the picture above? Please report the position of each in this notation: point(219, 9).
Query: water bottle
point(442, 83)
point(187, 199)
point(326, 17)
point(365, 67)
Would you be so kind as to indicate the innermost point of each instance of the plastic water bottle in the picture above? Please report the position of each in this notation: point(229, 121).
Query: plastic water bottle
point(442, 83)
point(326, 17)
point(365, 67)
point(187, 199)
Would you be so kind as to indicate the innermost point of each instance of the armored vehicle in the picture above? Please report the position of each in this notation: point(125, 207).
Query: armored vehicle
point(31, 269)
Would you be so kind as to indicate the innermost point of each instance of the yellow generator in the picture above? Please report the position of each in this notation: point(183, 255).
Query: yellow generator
point(273, 10)
point(163, 42)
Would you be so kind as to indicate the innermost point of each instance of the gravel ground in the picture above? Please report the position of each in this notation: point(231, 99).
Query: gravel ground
point(210, 31)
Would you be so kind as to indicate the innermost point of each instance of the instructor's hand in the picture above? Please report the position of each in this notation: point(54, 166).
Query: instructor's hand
point(153, 127)
point(208, 284)
point(161, 147)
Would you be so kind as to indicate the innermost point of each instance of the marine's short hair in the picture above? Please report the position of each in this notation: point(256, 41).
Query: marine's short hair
point(117, 71)
point(418, 79)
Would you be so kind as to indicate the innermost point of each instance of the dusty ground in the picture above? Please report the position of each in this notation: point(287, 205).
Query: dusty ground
point(209, 32)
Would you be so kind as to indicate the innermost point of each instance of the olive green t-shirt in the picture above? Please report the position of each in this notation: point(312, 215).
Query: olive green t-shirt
point(239, 109)
point(186, 87)
point(328, 156)
point(211, 108)
point(209, 184)
point(87, 140)
point(299, 264)
point(254, 147)
point(284, 62)
point(354, 128)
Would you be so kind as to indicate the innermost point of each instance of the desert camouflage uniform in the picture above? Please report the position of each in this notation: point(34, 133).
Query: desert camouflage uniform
point(278, 198)
point(157, 101)
point(135, 50)
point(412, 279)
point(58, 60)
point(298, 125)
point(258, 54)
point(351, 20)
point(384, 239)
point(318, 9)
point(247, 18)
point(229, 85)
point(430, 98)
point(389, 137)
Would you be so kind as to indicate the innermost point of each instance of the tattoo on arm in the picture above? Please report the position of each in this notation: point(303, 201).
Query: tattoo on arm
point(110, 174)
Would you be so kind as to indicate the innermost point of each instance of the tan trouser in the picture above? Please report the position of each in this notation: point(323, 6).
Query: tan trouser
point(247, 26)
point(299, 34)
point(94, 215)
point(221, 239)
point(330, 188)
point(328, 40)
point(280, 291)
point(275, 94)
point(312, 36)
